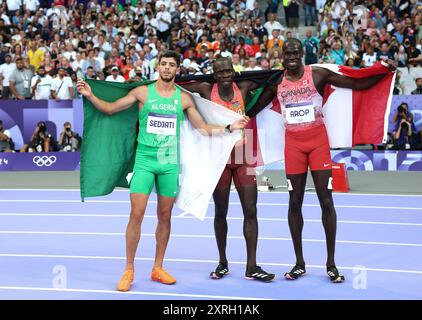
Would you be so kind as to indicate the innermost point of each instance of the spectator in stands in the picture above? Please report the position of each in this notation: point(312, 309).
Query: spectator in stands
point(252, 65)
point(90, 73)
point(243, 57)
point(41, 84)
point(242, 45)
point(62, 86)
point(27, 65)
point(90, 61)
point(35, 55)
point(384, 53)
point(14, 6)
point(255, 11)
point(259, 30)
point(272, 23)
point(350, 53)
point(326, 56)
point(400, 57)
point(310, 45)
point(20, 81)
point(6, 70)
point(74, 78)
point(194, 69)
point(164, 22)
point(275, 60)
point(115, 75)
point(397, 84)
point(337, 53)
point(415, 55)
point(418, 89)
point(126, 67)
point(351, 63)
point(6, 143)
point(310, 8)
point(272, 8)
point(238, 67)
point(369, 57)
point(69, 141)
point(292, 14)
point(275, 39)
point(49, 64)
point(136, 30)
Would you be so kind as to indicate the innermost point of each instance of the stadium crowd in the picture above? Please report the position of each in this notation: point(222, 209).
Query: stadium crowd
point(119, 40)
point(45, 46)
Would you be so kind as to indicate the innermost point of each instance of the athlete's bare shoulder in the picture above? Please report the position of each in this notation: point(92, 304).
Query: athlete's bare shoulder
point(187, 100)
point(320, 76)
point(203, 88)
point(319, 70)
point(141, 93)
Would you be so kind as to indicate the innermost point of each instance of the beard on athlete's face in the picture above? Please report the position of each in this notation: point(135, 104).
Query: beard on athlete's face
point(167, 69)
point(167, 75)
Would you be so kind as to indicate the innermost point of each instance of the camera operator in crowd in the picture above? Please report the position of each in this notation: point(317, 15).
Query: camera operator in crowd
point(404, 134)
point(41, 140)
point(6, 143)
point(69, 141)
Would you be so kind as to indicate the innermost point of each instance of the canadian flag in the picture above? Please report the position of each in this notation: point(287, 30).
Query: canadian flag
point(351, 116)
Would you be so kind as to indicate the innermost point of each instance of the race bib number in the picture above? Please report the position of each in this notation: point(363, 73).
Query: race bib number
point(300, 112)
point(164, 124)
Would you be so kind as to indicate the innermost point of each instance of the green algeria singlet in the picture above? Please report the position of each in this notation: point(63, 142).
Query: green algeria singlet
point(159, 121)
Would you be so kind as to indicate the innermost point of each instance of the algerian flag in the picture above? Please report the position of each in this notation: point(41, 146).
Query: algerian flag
point(108, 151)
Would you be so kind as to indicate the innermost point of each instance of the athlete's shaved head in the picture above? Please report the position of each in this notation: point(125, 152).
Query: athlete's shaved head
point(292, 54)
point(221, 61)
point(292, 42)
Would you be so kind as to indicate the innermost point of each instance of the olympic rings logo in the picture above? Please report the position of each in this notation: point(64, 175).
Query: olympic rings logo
point(44, 161)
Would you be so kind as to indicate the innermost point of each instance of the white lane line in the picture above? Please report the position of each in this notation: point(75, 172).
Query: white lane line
point(275, 264)
point(211, 203)
point(78, 233)
point(276, 192)
point(183, 216)
point(143, 293)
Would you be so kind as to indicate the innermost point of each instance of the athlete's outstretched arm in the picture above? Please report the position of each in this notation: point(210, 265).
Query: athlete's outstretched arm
point(203, 88)
point(198, 122)
point(248, 85)
point(110, 107)
point(322, 76)
point(266, 97)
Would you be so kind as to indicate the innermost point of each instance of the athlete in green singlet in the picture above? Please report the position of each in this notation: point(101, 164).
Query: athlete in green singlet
point(161, 106)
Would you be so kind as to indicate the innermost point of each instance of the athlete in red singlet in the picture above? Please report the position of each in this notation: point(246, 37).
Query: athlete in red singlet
point(238, 169)
point(300, 97)
point(306, 137)
point(226, 93)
